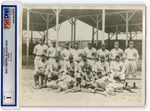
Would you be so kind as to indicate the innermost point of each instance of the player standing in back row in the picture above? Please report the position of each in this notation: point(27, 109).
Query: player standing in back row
point(90, 52)
point(103, 51)
point(39, 50)
point(52, 51)
point(116, 52)
point(131, 56)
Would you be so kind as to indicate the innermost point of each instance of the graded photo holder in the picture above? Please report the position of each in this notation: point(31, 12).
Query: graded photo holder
point(71, 55)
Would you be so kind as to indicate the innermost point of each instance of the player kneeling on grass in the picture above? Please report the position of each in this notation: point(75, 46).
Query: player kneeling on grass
point(40, 69)
point(117, 70)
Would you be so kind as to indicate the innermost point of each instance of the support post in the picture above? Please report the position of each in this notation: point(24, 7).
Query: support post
point(116, 32)
point(71, 34)
point(97, 26)
point(92, 36)
point(28, 14)
point(127, 23)
point(47, 26)
point(108, 41)
point(130, 36)
point(31, 33)
point(44, 36)
point(103, 25)
point(74, 30)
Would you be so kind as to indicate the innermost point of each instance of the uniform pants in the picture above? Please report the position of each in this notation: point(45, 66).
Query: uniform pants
point(131, 67)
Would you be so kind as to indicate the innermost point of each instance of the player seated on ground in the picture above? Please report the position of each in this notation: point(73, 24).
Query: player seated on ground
point(117, 70)
point(70, 65)
point(40, 68)
point(105, 83)
point(66, 81)
point(87, 80)
point(101, 66)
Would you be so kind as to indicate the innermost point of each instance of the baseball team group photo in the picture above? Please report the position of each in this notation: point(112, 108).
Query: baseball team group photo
point(82, 57)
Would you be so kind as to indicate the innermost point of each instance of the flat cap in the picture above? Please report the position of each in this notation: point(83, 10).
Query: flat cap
point(84, 55)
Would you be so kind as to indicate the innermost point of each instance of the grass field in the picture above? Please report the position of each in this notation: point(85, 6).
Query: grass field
point(47, 97)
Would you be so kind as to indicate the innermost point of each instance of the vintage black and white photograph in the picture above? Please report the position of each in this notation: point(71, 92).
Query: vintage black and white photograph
point(82, 56)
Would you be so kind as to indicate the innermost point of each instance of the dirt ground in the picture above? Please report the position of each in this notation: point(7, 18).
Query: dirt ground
point(47, 97)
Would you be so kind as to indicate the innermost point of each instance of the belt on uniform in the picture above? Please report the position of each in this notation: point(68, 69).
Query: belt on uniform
point(38, 55)
point(52, 57)
point(131, 59)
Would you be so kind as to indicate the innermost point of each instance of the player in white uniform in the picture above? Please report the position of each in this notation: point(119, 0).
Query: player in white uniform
point(116, 51)
point(39, 49)
point(76, 52)
point(70, 65)
point(90, 52)
point(51, 52)
point(103, 51)
point(82, 68)
point(117, 69)
point(40, 68)
point(101, 66)
point(66, 52)
point(131, 56)
point(87, 80)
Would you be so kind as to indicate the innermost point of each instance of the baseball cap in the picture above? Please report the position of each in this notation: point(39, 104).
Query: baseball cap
point(53, 41)
point(66, 43)
point(117, 56)
point(116, 43)
point(70, 56)
point(102, 56)
point(131, 42)
point(76, 42)
point(41, 39)
point(103, 44)
point(89, 43)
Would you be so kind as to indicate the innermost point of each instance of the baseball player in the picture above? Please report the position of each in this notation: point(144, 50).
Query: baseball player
point(66, 52)
point(90, 52)
point(70, 65)
point(117, 69)
point(103, 51)
point(131, 56)
point(55, 69)
point(76, 52)
point(66, 82)
point(40, 68)
point(39, 49)
point(116, 51)
point(87, 78)
point(81, 69)
point(51, 52)
point(101, 66)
